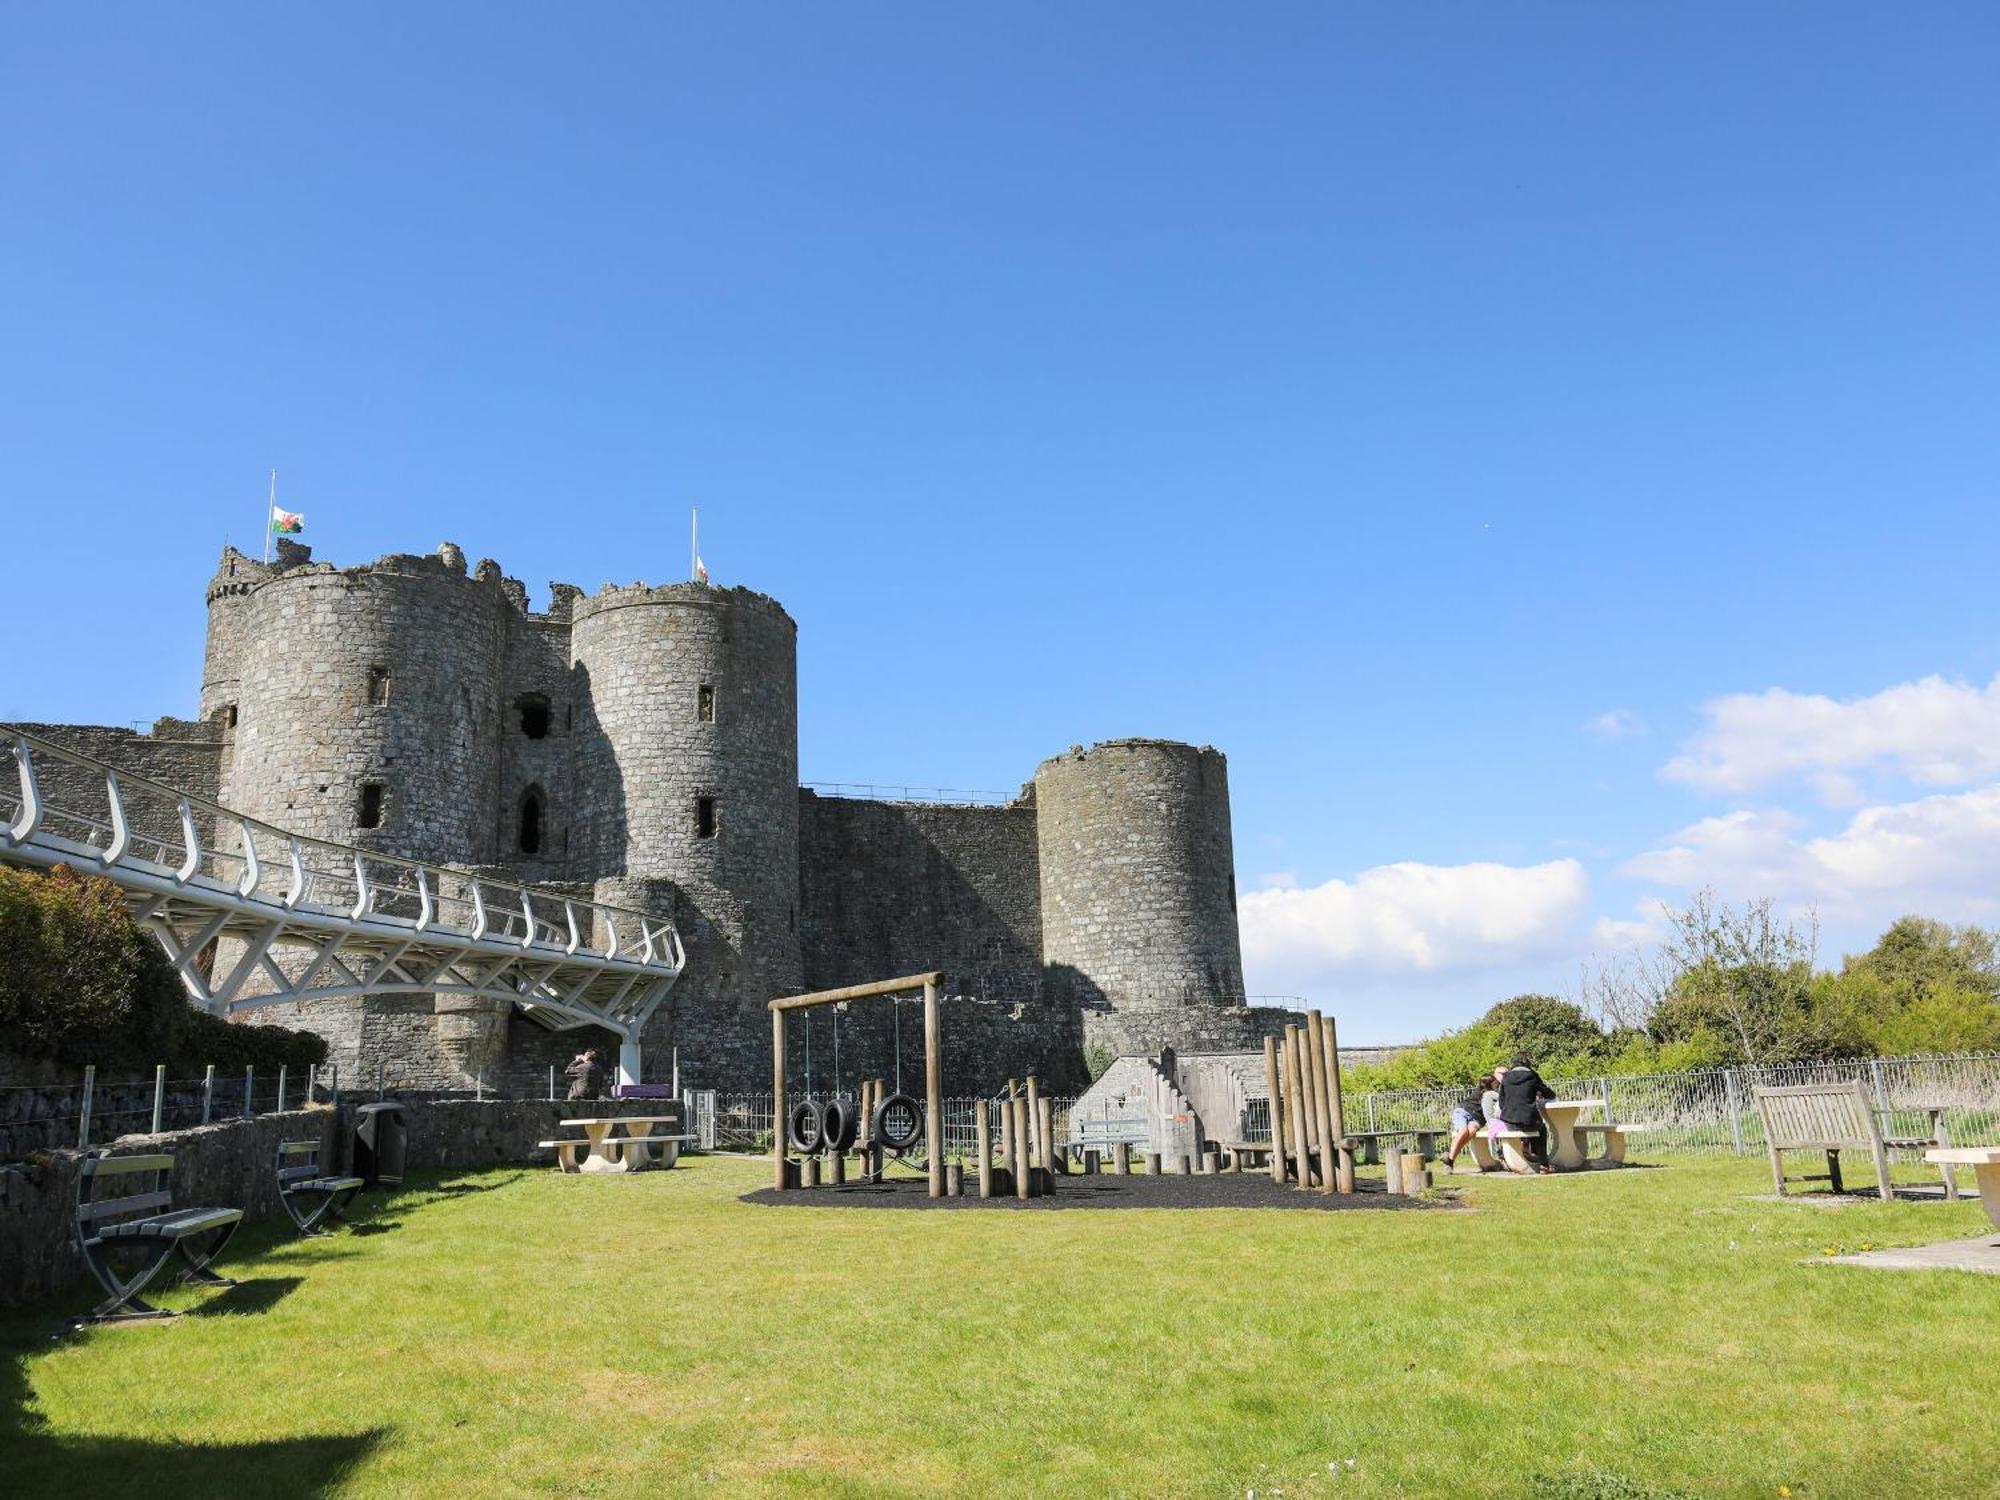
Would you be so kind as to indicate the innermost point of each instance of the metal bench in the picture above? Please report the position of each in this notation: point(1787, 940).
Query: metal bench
point(1837, 1117)
point(134, 1224)
point(308, 1195)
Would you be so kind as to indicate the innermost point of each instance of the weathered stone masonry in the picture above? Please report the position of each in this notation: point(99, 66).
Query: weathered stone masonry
point(641, 744)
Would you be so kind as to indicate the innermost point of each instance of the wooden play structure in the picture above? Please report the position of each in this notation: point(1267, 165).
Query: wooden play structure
point(1309, 1144)
point(876, 1115)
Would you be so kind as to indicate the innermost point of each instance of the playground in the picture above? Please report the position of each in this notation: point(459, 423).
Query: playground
point(526, 1332)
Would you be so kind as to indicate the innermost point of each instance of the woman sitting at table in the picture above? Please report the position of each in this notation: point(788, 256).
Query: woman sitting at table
point(1521, 1094)
point(1468, 1118)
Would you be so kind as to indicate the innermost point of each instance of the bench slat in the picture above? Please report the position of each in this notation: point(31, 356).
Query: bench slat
point(117, 1166)
point(103, 1208)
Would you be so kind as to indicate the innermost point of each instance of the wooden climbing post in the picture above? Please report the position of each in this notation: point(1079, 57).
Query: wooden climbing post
point(1323, 1111)
point(1331, 1045)
point(983, 1128)
point(1277, 1110)
point(778, 1121)
point(1295, 1093)
point(933, 1089)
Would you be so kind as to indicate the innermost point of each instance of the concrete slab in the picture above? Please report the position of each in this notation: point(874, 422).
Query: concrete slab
point(1981, 1253)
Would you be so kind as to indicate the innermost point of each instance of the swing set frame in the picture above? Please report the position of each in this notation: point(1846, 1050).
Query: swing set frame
point(783, 1174)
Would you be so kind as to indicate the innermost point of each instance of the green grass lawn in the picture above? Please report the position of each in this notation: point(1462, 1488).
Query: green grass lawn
point(520, 1332)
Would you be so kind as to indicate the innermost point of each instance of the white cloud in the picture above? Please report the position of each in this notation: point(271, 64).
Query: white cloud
point(1934, 731)
point(1615, 724)
point(1938, 855)
point(1645, 930)
point(1412, 918)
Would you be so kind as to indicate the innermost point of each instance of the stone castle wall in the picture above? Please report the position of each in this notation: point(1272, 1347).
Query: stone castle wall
point(641, 745)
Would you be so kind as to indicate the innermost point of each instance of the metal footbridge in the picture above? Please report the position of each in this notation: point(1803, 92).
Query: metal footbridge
point(228, 896)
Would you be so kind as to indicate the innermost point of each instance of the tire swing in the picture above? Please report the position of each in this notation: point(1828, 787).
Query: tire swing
point(840, 1124)
point(807, 1126)
point(899, 1123)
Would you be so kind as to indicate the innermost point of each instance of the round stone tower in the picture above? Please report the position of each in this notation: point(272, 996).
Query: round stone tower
point(228, 606)
point(367, 703)
point(687, 772)
point(1138, 876)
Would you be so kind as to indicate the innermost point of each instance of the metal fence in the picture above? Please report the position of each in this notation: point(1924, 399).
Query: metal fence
point(41, 1117)
point(1713, 1112)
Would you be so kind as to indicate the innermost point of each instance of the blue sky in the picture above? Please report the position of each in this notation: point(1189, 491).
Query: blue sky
point(1550, 449)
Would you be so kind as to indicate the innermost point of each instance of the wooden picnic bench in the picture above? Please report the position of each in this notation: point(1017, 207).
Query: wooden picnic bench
point(147, 1227)
point(601, 1149)
point(1837, 1117)
point(307, 1194)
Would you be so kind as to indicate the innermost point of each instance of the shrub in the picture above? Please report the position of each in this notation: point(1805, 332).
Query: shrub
point(80, 982)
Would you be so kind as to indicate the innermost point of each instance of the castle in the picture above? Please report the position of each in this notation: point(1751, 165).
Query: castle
point(640, 744)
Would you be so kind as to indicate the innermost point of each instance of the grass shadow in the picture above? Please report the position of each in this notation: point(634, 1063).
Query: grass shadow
point(37, 1462)
point(247, 1297)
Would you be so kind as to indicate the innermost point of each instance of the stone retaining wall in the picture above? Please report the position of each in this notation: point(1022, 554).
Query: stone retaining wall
point(232, 1164)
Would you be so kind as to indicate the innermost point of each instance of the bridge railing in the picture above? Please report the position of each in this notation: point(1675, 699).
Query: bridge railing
point(71, 806)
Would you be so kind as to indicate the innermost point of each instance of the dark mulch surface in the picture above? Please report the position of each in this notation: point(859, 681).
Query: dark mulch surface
point(1170, 1190)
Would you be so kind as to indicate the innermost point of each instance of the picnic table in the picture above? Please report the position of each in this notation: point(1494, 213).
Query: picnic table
point(1565, 1150)
point(1985, 1164)
point(602, 1149)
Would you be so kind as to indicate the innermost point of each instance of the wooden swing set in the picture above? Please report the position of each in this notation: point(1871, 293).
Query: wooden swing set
point(785, 1173)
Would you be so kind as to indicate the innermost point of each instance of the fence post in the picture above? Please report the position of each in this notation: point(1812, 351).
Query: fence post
point(207, 1093)
point(552, 1085)
point(479, 1087)
point(381, 1079)
point(1371, 1112)
point(249, 1090)
point(1881, 1088)
point(333, 1089)
point(1604, 1092)
point(312, 1082)
point(83, 1119)
point(159, 1094)
point(1735, 1108)
point(281, 1088)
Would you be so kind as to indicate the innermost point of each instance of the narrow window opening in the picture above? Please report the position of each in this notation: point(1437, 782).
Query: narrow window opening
point(535, 717)
point(370, 815)
point(791, 919)
point(704, 817)
point(378, 686)
point(569, 717)
point(229, 716)
point(704, 703)
point(531, 821)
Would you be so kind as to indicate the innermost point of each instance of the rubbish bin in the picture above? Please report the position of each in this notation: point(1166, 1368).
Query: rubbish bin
point(380, 1133)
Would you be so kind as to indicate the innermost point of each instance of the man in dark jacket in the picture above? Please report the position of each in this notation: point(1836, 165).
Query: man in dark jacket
point(1521, 1094)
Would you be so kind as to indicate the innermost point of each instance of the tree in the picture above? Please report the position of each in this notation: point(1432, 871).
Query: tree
point(1923, 987)
point(1548, 1030)
point(1741, 979)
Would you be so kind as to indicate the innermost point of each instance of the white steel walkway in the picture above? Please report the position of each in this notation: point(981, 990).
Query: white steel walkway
point(197, 875)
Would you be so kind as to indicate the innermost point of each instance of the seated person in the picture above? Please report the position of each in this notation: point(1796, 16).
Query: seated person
point(1468, 1118)
point(1521, 1094)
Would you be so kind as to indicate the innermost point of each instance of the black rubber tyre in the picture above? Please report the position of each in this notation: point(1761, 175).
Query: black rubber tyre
point(899, 1122)
point(840, 1125)
point(808, 1123)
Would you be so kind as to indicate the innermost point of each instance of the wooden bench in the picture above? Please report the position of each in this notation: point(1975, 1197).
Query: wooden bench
point(146, 1226)
point(1837, 1117)
point(307, 1194)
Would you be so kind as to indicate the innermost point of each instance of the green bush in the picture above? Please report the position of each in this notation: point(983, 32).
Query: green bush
point(81, 983)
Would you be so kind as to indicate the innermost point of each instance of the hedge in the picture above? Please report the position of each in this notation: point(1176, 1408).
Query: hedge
point(81, 983)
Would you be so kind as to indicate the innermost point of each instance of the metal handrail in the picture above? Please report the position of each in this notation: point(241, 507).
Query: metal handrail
point(513, 916)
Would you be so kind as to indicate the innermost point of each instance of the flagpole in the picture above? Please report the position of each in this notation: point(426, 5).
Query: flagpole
point(694, 543)
point(270, 508)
